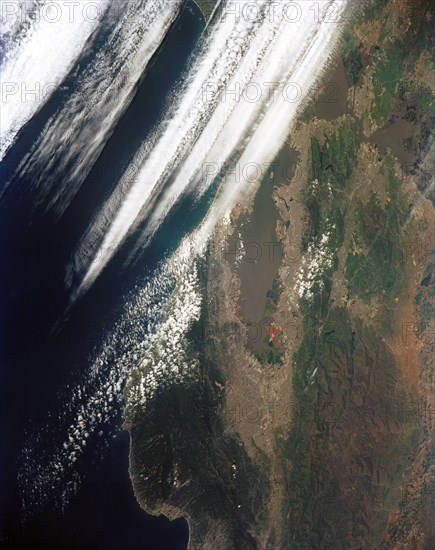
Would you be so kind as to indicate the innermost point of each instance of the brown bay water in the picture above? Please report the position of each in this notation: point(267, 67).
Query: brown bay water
point(393, 137)
point(331, 100)
point(257, 244)
point(258, 248)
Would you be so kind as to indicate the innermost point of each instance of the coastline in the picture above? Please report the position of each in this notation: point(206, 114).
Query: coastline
point(206, 8)
point(253, 456)
point(244, 379)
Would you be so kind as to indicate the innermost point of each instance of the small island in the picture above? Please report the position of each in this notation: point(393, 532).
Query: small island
point(206, 7)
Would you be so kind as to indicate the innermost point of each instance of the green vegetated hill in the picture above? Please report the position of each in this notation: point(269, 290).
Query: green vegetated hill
point(318, 435)
point(357, 458)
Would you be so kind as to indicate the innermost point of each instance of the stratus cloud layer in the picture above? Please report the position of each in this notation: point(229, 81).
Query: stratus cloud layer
point(270, 47)
point(74, 136)
point(42, 40)
point(148, 343)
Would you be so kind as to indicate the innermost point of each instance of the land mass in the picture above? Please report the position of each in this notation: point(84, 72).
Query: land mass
point(206, 7)
point(310, 424)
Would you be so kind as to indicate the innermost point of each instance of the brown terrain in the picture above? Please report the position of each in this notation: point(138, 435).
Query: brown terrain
point(311, 425)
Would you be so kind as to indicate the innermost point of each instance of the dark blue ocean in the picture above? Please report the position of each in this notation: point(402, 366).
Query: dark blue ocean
point(39, 355)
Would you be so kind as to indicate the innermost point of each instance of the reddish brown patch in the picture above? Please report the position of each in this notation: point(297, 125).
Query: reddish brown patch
point(273, 332)
point(238, 313)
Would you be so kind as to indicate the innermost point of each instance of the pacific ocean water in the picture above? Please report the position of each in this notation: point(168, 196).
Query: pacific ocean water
point(37, 362)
